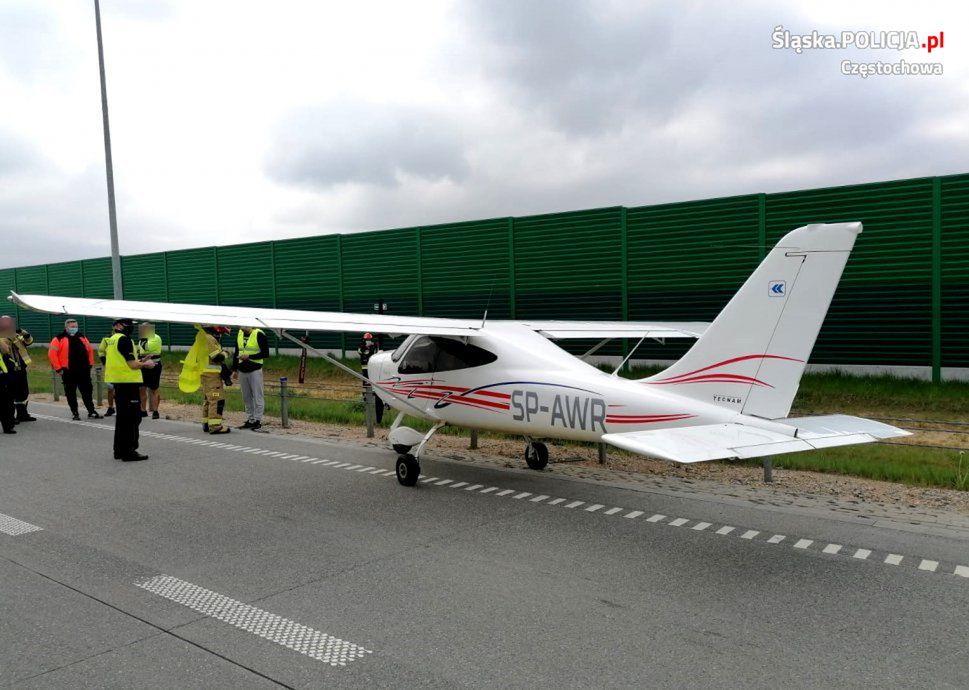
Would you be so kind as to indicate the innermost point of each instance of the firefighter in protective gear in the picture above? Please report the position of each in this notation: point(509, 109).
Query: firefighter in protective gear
point(7, 421)
point(213, 384)
point(18, 340)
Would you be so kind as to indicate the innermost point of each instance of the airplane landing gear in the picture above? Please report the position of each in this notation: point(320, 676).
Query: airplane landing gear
point(408, 469)
point(536, 455)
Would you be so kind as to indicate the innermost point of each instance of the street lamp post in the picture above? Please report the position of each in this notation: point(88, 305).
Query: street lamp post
point(109, 167)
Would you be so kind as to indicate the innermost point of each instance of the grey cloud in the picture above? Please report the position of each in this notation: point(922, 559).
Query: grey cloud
point(378, 145)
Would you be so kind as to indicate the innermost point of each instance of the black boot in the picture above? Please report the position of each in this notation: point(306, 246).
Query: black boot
point(109, 412)
point(23, 415)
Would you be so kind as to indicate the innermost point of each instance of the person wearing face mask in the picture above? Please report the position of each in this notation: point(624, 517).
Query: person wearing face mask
point(123, 369)
point(72, 356)
point(18, 340)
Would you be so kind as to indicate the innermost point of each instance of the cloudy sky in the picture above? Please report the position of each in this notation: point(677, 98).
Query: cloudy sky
point(237, 121)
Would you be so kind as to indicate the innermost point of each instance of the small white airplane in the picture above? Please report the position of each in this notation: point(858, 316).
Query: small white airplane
point(728, 397)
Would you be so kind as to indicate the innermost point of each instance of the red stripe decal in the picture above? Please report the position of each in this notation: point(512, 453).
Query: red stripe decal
point(674, 379)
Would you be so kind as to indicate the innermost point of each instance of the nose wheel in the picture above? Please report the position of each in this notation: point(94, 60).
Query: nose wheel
point(408, 469)
point(536, 455)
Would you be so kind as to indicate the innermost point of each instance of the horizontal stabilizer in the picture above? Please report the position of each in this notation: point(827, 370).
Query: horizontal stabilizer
point(736, 440)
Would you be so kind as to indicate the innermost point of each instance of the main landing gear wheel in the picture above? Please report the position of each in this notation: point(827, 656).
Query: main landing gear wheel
point(536, 455)
point(408, 469)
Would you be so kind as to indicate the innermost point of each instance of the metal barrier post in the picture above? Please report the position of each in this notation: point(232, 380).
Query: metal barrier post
point(602, 453)
point(99, 383)
point(369, 412)
point(53, 386)
point(768, 469)
point(474, 439)
point(284, 401)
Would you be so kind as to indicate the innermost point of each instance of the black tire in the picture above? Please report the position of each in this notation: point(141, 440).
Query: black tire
point(408, 470)
point(536, 455)
point(402, 450)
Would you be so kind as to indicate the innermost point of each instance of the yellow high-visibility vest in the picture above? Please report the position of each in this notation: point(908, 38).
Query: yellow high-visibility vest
point(3, 365)
point(153, 345)
point(250, 346)
point(116, 369)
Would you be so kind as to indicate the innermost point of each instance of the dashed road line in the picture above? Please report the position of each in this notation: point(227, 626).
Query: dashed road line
point(269, 626)
point(14, 527)
point(802, 544)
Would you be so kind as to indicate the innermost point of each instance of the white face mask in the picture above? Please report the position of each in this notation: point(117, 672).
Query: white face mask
point(72, 330)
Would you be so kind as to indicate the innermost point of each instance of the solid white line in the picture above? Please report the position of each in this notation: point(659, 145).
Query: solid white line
point(523, 494)
point(14, 527)
point(444, 482)
point(556, 501)
point(749, 534)
point(505, 492)
point(594, 507)
point(611, 511)
point(803, 543)
point(700, 526)
point(676, 522)
point(655, 518)
point(538, 499)
point(862, 554)
point(726, 529)
point(473, 487)
point(458, 485)
point(961, 571)
point(269, 626)
point(633, 514)
point(928, 565)
point(776, 539)
point(893, 558)
point(489, 489)
point(573, 504)
point(831, 548)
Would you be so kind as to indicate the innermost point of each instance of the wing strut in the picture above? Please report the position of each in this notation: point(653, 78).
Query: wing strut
point(631, 352)
point(340, 365)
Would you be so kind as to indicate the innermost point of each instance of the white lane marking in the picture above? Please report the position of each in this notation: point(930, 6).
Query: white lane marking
point(523, 494)
point(776, 539)
point(726, 529)
point(655, 518)
point(677, 522)
point(803, 543)
point(633, 514)
point(831, 548)
point(14, 527)
point(594, 507)
point(573, 504)
point(538, 499)
point(473, 487)
point(365, 468)
point(274, 453)
point(458, 485)
point(611, 511)
point(862, 554)
point(489, 489)
point(893, 559)
point(749, 534)
point(961, 571)
point(376, 470)
point(505, 492)
point(444, 482)
point(556, 501)
point(340, 465)
point(269, 626)
point(700, 526)
point(926, 564)
point(390, 473)
point(425, 480)
point(350, 468)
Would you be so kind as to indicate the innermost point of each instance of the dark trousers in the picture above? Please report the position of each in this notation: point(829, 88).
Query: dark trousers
point(128, 419)
point(78, 380)
point(6, 404)
point(19, 391)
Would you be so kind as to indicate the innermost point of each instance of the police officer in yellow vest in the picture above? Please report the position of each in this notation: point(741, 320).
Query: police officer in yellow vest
point(252, 349)
point(212, 384)
point(122, 368)
point(7, 422)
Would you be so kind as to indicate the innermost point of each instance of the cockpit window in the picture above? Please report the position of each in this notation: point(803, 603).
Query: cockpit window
point(429, 354)
point(402, 348)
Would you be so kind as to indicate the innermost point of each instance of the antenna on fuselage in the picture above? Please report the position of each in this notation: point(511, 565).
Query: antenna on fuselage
point(491, 292)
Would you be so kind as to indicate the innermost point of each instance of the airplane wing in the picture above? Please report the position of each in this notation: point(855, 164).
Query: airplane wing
point(691, 444)
point(296, 320)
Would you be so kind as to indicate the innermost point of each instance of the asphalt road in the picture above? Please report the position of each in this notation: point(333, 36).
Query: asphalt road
point(275, 564)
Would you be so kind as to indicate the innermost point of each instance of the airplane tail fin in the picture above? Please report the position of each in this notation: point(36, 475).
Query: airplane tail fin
point(752, 356)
